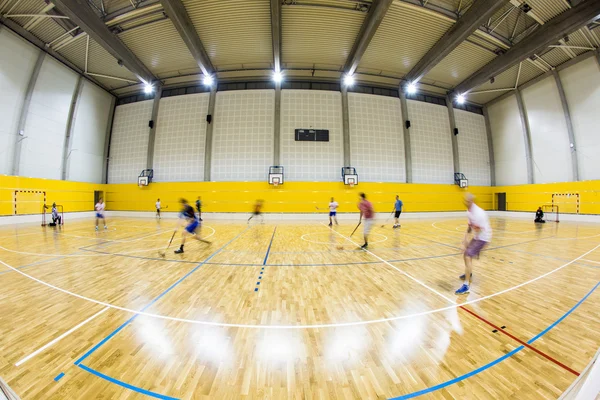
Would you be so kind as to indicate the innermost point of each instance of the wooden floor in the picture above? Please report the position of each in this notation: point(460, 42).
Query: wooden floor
point(280, 311)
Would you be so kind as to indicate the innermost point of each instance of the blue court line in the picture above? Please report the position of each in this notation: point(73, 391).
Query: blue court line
point(125, 385)
point(498, 360)
point(106, 339)
point(59, 377)
point(269, 248)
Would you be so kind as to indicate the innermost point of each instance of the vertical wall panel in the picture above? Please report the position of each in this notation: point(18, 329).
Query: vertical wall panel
point(581, 83)
point(17, 59)
point(509, 143)
point(473, 148)
point(87, 144)
point(129, 142)
point(46, 123)
point(311, 161)
point(431, 145)
point(243, 135)
point(180, 138)
point(376, 138)
point(549, 137)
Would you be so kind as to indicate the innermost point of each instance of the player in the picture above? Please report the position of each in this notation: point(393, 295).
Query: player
point(479, 224)
point(367, 215)
point(257, 211)
point(333, 205)
point(55, 217)
point(199, 208)
point(192, 225)
point(539, 216)
point(397, 211)
point(158, 208)
point(100, 212)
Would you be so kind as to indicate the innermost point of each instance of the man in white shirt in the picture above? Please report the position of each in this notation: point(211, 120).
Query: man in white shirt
point(479, 224)
point(158, 208)
point(100, 213)
point(333, 205)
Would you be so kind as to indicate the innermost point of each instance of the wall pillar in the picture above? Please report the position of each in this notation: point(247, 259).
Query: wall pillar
point(154, 119)
point(277, 126)
point(488, 131)
point(526, 136)
point(107, 138)
point(570, 131)
point(70, 128)
point(346, 127)
point(406, 131)
point(21, 134)
point(209, 133)
point(453, 137)
point(598, 55)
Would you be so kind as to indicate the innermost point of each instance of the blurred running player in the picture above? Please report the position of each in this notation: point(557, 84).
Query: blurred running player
point(367, 216)
point(257, 212)
point(192, 225)
point(100, 212)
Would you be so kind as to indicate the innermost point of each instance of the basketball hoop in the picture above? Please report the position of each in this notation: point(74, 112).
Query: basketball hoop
point(351, 182)
point(275, 181)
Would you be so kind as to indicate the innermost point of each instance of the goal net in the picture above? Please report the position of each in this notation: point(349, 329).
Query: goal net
point(551, 213)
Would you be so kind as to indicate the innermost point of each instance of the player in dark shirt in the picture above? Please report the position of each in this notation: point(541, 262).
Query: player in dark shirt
point(199, 208)
point(192, 225)
point(539, 216)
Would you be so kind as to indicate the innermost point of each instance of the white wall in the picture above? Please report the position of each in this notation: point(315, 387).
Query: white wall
point(430, 143)
point(129, 142)
point(548, 129)
point(376, 138)
point(311, 161)
point(180, 138)
point(473, 150)
point(45, 128)
point(508, 142)
point(243, 135)
point(86, 161)
point(17, 60)
point(581, 83)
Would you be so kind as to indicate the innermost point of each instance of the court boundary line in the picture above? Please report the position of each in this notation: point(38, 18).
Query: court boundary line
point(315, 326)
point(498, 360)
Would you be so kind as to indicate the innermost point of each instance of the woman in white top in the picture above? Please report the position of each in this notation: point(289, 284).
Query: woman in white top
point(100, 213)
point(333, 205)
point(158, 208)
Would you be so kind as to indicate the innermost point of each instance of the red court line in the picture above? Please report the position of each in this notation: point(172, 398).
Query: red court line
point(541, 353)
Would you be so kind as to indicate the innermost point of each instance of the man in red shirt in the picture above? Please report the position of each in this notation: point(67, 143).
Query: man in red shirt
point(367, 216)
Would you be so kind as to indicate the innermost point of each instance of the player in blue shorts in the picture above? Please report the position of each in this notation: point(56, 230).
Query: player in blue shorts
point(333, 205)
point(192, 227)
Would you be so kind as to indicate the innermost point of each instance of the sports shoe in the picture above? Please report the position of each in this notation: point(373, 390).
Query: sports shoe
point(462, 277)
point(96, 229)
point(178, 251)
point(364, 246)
point(105, 227)
point(330, 224)
point(464, 289)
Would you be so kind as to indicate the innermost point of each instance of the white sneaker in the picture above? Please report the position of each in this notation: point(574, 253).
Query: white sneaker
point(105, 227)
point(96, 229)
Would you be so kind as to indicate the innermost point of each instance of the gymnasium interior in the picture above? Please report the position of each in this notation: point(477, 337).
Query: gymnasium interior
point(124, 122)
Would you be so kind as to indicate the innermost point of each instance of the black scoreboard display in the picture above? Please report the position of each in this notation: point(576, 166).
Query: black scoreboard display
point(312, 135)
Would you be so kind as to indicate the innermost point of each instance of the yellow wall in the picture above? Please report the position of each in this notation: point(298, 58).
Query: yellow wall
point(291, 197)
point(530, 197)
point(73, 196)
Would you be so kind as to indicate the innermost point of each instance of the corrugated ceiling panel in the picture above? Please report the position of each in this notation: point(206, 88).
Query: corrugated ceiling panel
point(115, 5)
point(579, 39)
point(75, 52)
point(548, 9)
point(555, 57)
point(47, 30)
point(515, 17)
point(160, 48)
point(452, 5)
point(233, 32)
point(505, 80)
point(100, 61)
point(484, 98)
point(318, 35)
point(460, 64)
point(25, 7)
point(403, 37)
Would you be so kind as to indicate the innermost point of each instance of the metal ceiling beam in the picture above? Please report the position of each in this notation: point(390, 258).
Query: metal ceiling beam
point(276, 33)
point(548, 34)
point(82, 14)
point(475, 16)
point(180, 18)
point(365, 35)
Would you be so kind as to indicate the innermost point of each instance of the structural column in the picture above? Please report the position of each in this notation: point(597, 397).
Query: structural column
point(598, 55)
point(20, 136)
point(526, 135)
point(154, 119)
point(209, 133)
point(570, 131)
point(277, 126)
point(70, 128)
point(406, 131)
point(453, 137)
point(346, 126)
point(488, 131)
point(107, 138)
